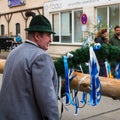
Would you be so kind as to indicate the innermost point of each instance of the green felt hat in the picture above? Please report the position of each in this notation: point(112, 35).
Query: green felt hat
point(40, 23)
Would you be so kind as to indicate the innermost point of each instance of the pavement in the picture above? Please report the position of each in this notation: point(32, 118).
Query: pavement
point(4, 54)
point(107, 109)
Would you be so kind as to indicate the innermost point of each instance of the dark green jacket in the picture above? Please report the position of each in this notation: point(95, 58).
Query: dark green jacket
point(115, 41)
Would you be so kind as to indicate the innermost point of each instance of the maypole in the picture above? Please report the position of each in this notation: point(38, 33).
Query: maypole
point(110, 86)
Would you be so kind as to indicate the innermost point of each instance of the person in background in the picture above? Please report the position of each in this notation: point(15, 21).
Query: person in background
point(102, 36)
point(115, 40)
point(30, 83)
point(18, 39)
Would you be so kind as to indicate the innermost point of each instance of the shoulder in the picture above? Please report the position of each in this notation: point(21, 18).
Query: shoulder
point(113, 37)
point(44, 57)
point(98, 39)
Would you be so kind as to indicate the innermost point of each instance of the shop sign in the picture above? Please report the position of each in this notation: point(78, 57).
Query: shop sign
point(13, 3)
point(57, 5)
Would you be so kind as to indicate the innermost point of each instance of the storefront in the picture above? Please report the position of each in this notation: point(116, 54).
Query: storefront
point(71, 31)
point(72, 20)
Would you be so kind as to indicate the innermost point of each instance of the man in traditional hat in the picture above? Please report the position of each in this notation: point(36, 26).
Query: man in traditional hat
point(30, 83)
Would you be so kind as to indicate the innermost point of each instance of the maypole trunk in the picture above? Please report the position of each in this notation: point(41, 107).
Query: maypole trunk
point(2, 64)
point(110, 86)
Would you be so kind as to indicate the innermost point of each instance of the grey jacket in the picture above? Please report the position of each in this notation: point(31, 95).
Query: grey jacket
point(29, 89)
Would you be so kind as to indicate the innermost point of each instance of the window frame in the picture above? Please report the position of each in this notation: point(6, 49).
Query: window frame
point(17, 26)
point(2, 30)
point(72, 30)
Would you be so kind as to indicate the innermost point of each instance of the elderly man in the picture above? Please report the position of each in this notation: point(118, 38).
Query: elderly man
point(30, 83)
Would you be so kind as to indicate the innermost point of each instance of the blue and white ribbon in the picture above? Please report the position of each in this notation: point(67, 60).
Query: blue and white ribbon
point(117, 71)
point(67, 84)
point(84, 95)
point(108, 69)
point(76, 103)
point(87, 41)
point(99, 19)
point(95, 85)
point(68, 77)
point(67, 88)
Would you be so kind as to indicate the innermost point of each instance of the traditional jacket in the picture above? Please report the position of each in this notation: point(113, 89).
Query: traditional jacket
point(30, 83)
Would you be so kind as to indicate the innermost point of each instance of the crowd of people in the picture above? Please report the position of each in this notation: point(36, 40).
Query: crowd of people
point(102, 37)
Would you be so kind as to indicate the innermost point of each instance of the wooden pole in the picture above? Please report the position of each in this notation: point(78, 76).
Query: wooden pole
point(2, 64)
point(110, 86)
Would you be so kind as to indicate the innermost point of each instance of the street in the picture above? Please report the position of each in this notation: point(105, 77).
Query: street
point(107, 109)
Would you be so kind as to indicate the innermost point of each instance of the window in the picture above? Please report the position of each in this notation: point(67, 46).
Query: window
point(2, 30)
point(109, 16)
point(102, 17)
point(67, 27)
point(55, 22)
point(17, 28)
point(78, 36)
point(114, 15)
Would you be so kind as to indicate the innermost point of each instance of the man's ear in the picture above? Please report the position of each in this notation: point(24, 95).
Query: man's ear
point(37, 36)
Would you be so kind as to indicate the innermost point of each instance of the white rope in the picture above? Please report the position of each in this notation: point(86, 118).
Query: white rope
point(60, 86)
point(81, 80)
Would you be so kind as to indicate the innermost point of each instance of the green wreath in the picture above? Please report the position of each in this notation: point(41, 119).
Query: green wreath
point(81, 57)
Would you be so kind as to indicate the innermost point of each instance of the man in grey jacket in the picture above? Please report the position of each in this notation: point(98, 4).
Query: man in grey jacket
point(30, 83)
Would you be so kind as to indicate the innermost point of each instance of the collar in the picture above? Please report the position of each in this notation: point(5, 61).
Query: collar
point(31, 42)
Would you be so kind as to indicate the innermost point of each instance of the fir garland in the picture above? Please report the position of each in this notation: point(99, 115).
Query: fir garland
point(81, 56)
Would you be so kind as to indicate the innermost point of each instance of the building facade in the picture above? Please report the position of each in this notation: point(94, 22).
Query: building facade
point(12, 15)
point(74, 21)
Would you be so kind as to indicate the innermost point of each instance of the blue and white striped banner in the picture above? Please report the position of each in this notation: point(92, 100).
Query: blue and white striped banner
point(95, 85)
